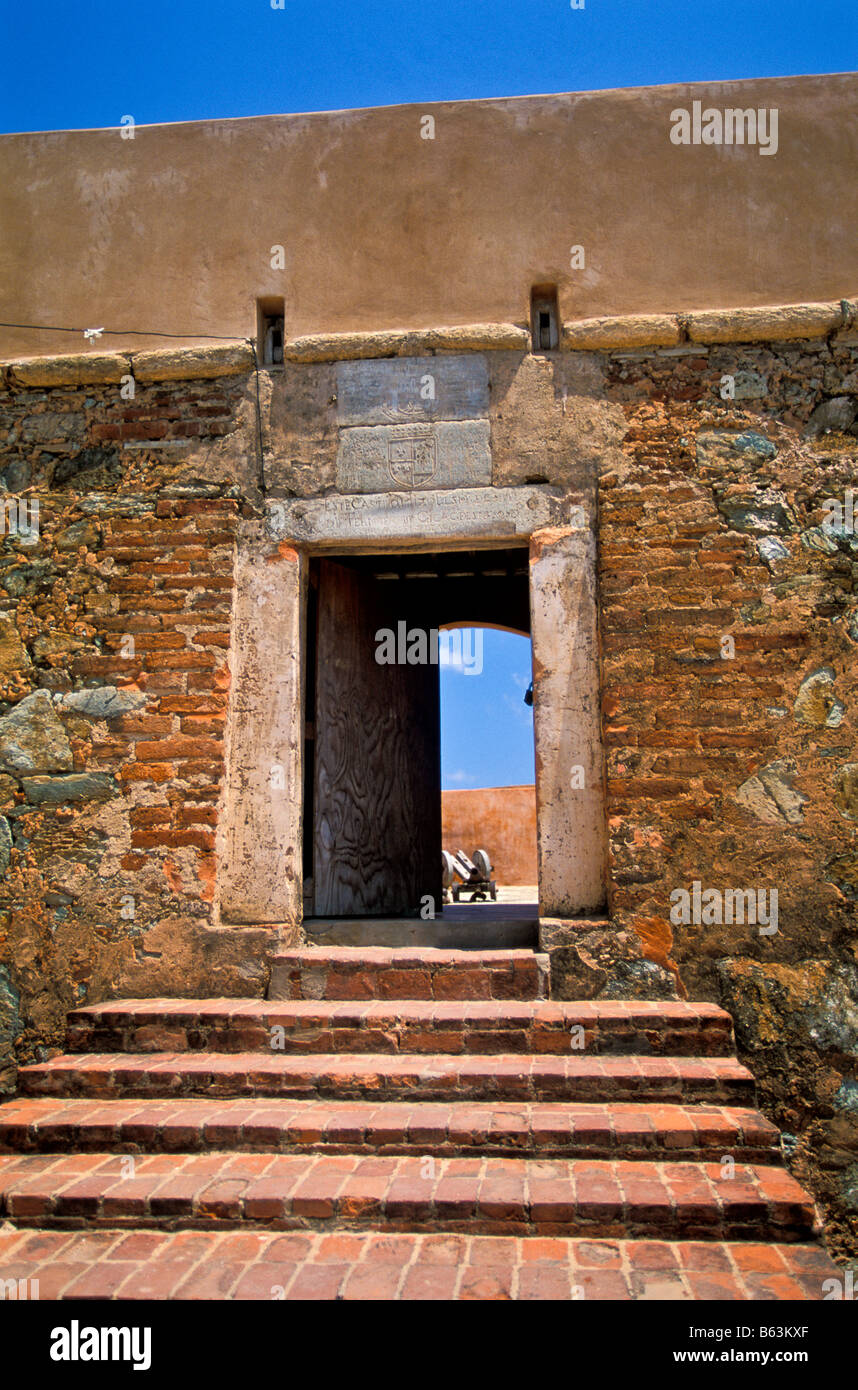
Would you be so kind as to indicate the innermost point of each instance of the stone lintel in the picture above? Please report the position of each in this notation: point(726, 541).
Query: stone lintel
point(75, 369)
point(767, 323)
point(193, 363)
point(108, 368)
point(379, 520)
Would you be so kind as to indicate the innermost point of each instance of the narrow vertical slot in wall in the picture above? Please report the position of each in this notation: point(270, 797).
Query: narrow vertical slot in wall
point(544, 318)
point(270, 314)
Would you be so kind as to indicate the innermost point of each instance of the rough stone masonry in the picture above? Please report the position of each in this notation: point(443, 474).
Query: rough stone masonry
point(711, 467)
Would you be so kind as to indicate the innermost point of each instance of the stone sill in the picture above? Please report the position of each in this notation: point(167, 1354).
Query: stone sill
point(836, 320)
point(406, 342)
point(109, 368)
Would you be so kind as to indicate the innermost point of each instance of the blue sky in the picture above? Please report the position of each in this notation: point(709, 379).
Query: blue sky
point(486, 728)
point(91, 62)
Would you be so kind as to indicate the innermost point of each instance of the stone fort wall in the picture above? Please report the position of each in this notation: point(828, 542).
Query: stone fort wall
point(728, 616)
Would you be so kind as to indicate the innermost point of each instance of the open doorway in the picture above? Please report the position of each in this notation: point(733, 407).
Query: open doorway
point(377, 629)
point(488, 791)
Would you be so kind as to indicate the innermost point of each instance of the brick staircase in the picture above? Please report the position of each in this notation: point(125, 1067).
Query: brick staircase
point(413, 1094)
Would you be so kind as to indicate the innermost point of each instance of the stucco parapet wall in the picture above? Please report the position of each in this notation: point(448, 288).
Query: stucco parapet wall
point(471, 337)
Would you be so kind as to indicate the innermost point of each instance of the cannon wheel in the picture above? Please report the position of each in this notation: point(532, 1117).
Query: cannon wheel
point(482, 863)
point(448, 868)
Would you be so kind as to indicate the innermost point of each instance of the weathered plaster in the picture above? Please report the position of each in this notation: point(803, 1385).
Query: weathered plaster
point(570, 817)
point(534, 177)
point(260, 856)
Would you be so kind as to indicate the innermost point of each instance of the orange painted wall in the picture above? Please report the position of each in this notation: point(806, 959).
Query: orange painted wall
point(501, 820)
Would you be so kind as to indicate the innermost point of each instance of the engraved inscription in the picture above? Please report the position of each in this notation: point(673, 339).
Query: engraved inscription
point(404, 389)
point(482, 513)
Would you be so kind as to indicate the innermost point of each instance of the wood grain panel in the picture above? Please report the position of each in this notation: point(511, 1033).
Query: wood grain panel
point(377, 830)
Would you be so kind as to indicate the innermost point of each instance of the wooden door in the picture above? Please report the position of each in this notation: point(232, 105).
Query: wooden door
point(377, 802)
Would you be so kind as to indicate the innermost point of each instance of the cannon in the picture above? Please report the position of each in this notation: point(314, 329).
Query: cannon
point(474, 876)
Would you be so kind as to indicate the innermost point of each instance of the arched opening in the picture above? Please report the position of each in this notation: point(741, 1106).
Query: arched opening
point(488, 793)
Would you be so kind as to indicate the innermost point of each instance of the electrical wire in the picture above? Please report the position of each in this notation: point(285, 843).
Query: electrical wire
point(261, 477)
point(130, 332)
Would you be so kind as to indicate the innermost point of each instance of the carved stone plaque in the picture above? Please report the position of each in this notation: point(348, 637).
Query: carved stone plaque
point(413, 422)
point(412, 390)
point(396, 458)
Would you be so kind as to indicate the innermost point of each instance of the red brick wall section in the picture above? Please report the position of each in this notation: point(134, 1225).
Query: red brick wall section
point(730, 703)
point(174, 602)
point(114, 637)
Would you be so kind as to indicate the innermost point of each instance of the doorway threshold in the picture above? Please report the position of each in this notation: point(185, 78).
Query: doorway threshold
point(461, 926)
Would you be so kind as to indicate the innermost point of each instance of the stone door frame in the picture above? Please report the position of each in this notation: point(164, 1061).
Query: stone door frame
point(260, 874)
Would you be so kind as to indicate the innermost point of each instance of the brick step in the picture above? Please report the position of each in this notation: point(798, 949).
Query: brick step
point(476, 1195)
point(219, 1264)
point(667, 1132)
point(407, 972)
point(713, 1080)
point(401, 1026)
